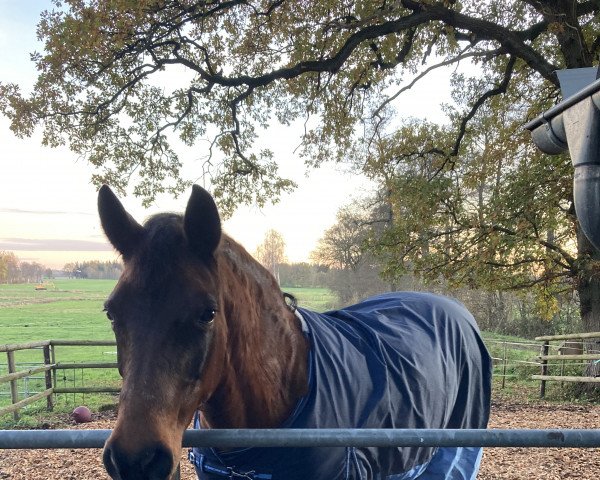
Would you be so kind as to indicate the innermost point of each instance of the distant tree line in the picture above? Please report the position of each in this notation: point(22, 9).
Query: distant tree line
point(94, 269)
point(13, 270)
point(357, 252)
point(302, 274)
point(347, 262)
point(506, 313)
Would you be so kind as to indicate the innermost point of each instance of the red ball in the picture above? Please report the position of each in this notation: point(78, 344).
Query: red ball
point(81, 415)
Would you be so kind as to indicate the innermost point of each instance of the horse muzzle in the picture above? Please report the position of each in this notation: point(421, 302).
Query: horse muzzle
point(154, 462)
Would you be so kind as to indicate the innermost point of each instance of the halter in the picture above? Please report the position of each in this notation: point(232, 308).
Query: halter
point(212, 468)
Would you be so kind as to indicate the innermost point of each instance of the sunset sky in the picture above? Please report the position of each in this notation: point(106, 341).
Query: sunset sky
point(48, 206)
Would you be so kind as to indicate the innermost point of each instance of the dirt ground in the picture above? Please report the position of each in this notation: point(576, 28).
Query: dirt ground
point(498, 463)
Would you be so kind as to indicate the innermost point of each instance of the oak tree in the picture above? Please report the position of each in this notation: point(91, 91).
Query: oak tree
point(105, 85)
point(236, 66)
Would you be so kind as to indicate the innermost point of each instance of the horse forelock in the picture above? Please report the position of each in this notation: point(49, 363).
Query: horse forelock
point(160, 250)
point(163, 253)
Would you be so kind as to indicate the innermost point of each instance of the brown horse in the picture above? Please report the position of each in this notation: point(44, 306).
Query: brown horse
point(202, 327)
point(197, 321)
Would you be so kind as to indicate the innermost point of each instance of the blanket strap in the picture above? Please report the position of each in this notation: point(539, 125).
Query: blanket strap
point(205, 466)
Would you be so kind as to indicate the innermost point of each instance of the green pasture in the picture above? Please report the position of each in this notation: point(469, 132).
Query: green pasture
point(71, 309)
point(318, 299)
point(68, 309)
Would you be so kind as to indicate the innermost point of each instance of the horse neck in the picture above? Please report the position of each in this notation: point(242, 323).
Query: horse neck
point(264, 353)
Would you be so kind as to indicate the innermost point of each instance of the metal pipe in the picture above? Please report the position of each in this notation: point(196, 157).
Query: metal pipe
point(559, 108)
point(227, 438)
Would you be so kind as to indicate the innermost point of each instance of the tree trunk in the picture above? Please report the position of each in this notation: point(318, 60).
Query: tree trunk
point(589, 298)
point(589, 284)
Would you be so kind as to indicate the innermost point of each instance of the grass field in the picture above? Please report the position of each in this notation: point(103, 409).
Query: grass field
point(68, 310)
point(71, 309)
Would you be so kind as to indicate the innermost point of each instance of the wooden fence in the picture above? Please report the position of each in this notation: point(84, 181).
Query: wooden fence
point(49, 367)
point(546, 356)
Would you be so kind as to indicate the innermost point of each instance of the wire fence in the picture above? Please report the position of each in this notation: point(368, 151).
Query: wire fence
point(24, 383)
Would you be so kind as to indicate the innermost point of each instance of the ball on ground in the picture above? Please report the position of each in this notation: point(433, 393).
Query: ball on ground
point(81, 415)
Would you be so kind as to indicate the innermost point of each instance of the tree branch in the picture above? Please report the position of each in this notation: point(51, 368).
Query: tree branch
point(500, 89)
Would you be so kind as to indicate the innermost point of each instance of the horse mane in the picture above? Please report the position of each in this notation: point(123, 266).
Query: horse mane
point(265, 339)
point(164, 247)
point(244, 265)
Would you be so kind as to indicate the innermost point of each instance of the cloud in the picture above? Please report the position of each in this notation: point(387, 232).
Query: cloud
point(41, 212)
point(53, 245)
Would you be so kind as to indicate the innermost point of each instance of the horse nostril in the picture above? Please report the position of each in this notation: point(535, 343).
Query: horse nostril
point(108, 457)
point(152, 463)
point(156, 463)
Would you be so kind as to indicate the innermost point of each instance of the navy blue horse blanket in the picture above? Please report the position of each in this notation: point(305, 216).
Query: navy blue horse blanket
point(399, 360)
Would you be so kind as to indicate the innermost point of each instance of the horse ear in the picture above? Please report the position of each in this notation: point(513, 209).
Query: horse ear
point(202, 223)
point(120, 227)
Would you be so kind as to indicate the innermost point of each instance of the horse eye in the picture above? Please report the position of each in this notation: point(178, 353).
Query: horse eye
point(208, 315)
point(108, 315)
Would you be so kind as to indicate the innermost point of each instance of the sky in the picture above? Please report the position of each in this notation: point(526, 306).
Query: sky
point(48, 205)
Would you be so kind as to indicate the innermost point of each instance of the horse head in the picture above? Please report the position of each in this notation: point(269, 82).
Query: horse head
point(163, 311)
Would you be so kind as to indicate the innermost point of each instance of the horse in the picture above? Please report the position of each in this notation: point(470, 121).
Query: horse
point(205, 334)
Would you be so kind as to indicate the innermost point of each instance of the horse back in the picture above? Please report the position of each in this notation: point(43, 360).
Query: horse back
point(399, 360)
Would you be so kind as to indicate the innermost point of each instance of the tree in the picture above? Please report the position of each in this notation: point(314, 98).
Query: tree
point(335, 65)
point(342, 245)
point(69, 268)
point(10, 271)
point(501, 219)
point(3, 269)
point(353, 270)
point(301, 275)
point(13, 270)
point(241, 64)
point(94, 269)
point(31, 272)
point(271, 252)
point(97, 269)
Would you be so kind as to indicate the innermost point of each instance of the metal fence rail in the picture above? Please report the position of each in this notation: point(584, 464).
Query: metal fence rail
point(228, 438)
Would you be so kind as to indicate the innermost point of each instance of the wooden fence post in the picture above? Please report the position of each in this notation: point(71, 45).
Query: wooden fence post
point(545, 350)
point(14, 392)
point(48, 375)
point(53, 360)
